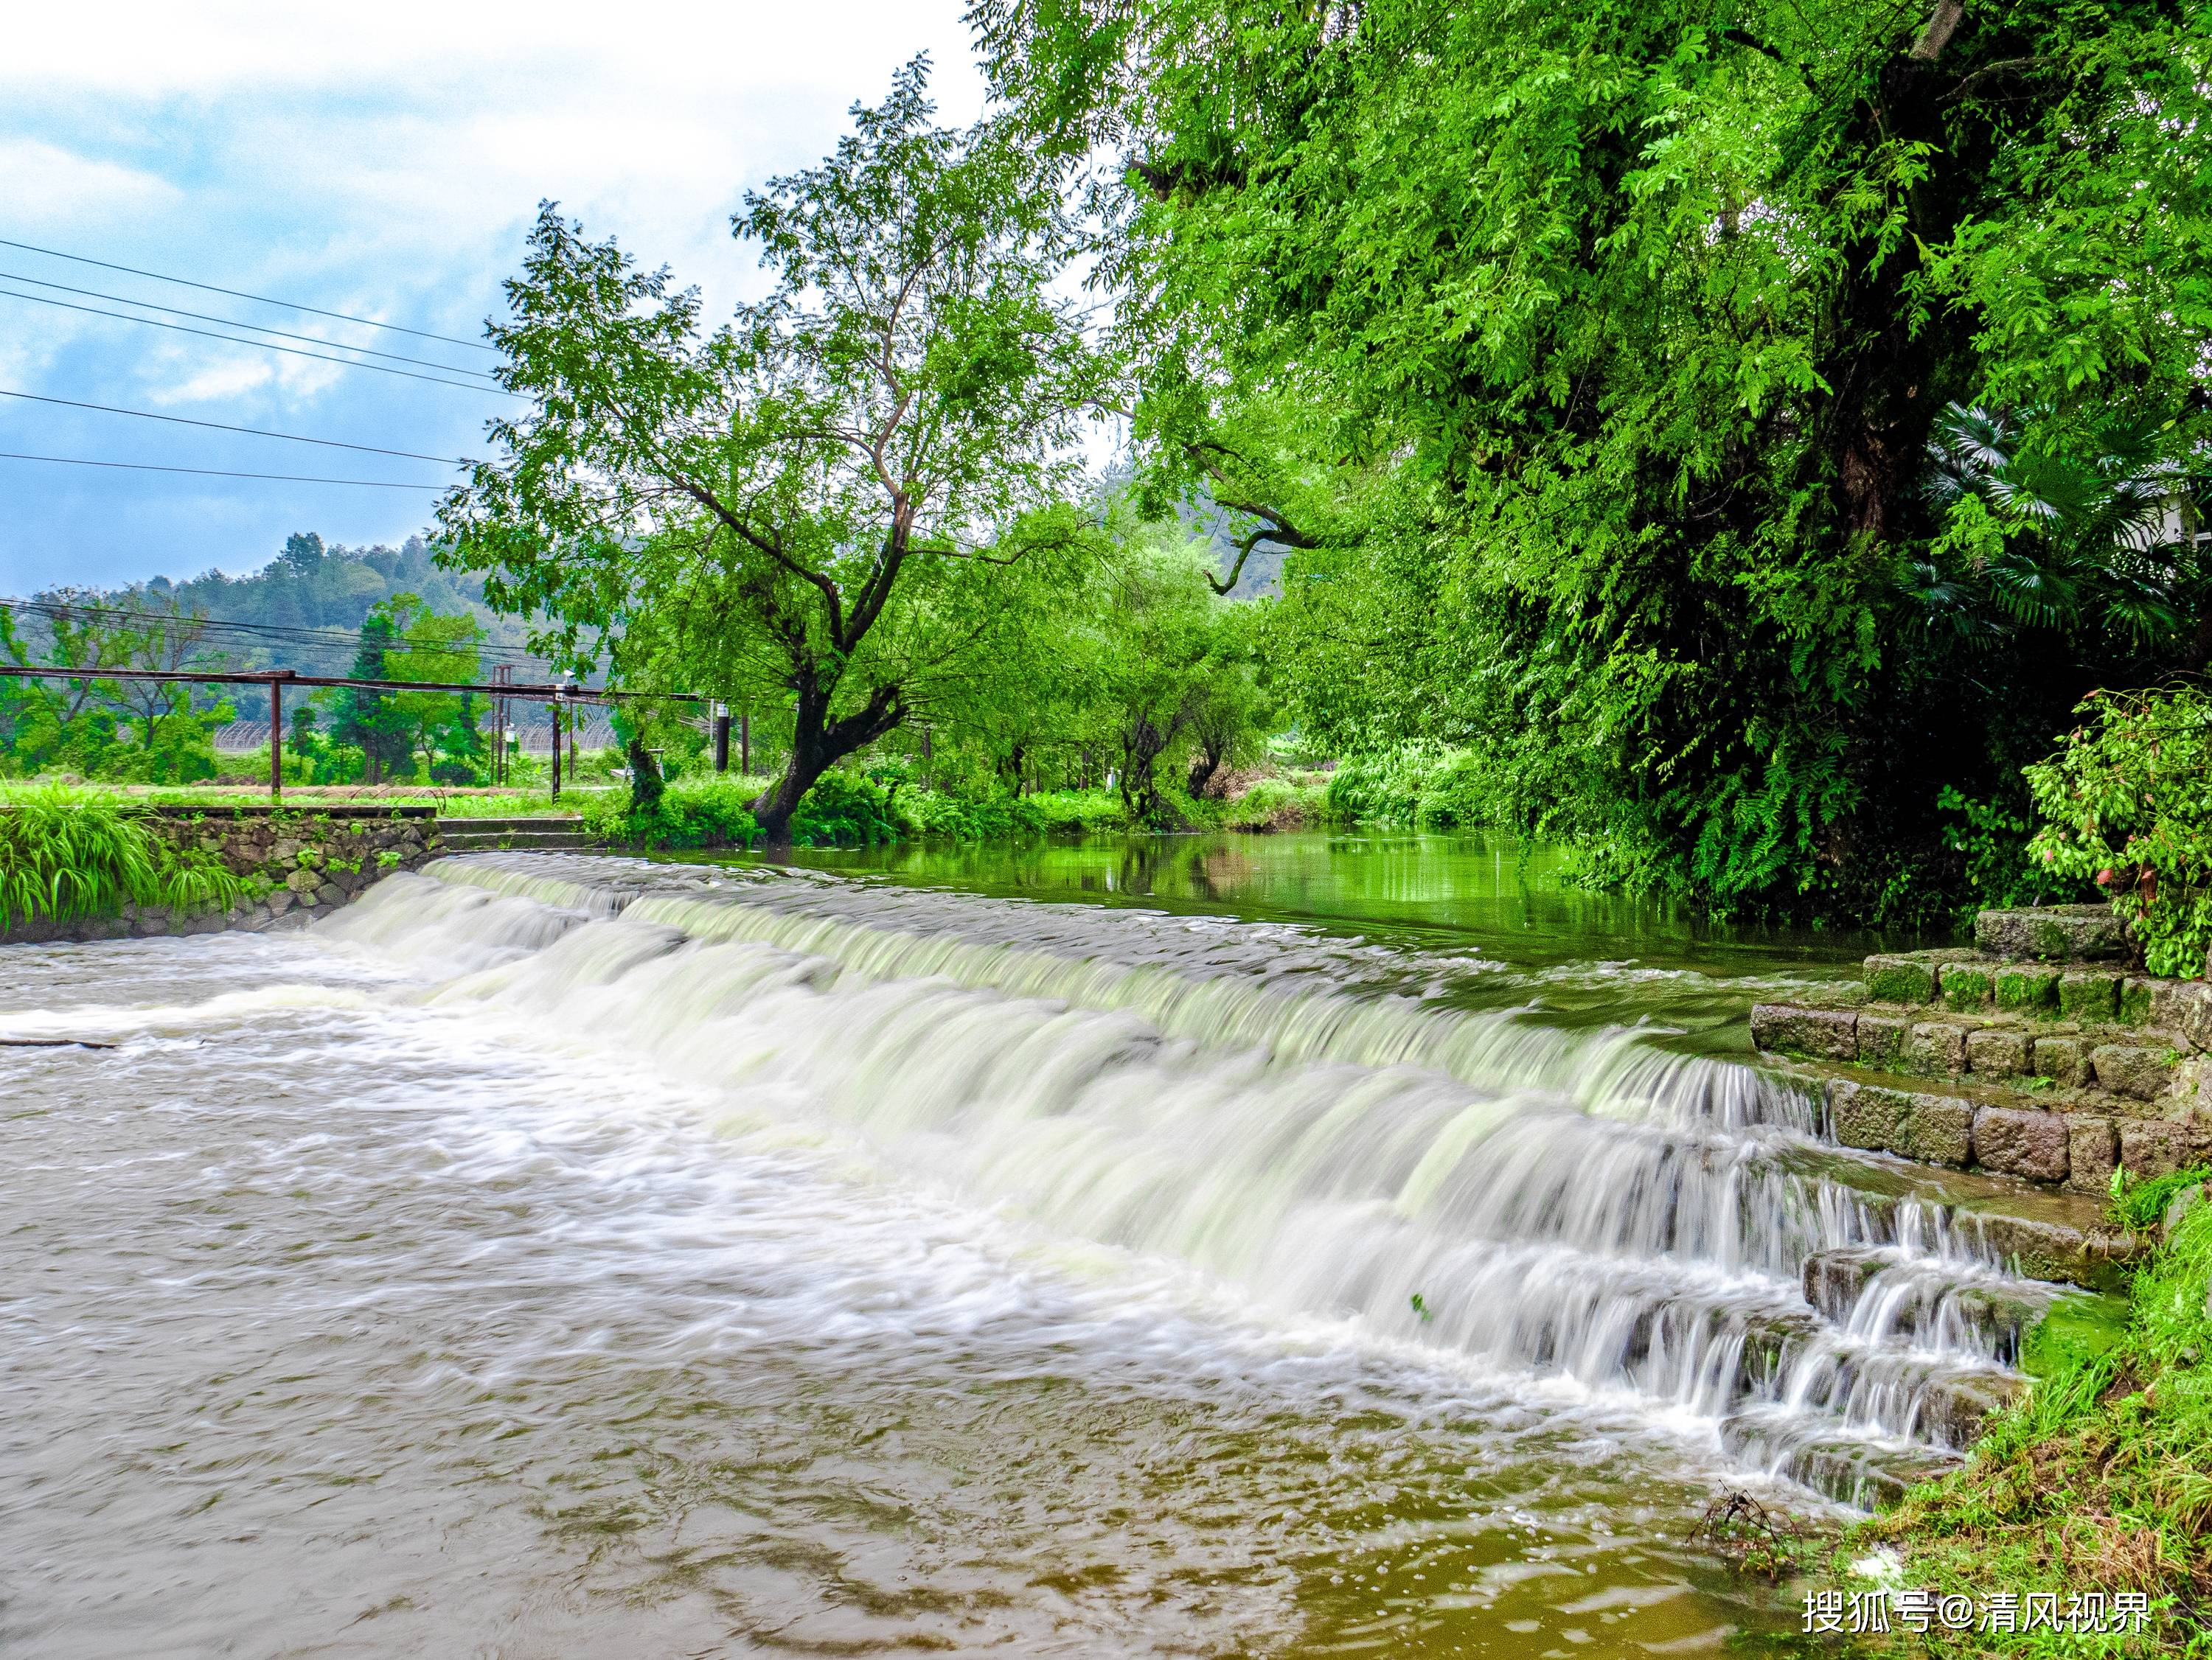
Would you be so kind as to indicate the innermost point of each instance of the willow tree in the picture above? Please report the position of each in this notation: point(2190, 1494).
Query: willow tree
point(832, 501)
point(1629, 323)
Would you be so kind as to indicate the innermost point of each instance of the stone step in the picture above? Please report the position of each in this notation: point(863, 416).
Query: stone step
point(1931, 1303)
point(1830, 1457)
point(539, 841)
point(2000, 1221)
point(519, 822)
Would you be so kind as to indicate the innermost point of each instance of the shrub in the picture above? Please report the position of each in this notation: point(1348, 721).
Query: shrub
point(710, 812)
point(2128, 803)
point(66, 854)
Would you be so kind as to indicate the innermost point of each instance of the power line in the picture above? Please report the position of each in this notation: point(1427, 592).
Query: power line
point(300, 634)
point(232, 323)
point(292, 351)
point(212, 472)
point(260, 299)
point(221, 427)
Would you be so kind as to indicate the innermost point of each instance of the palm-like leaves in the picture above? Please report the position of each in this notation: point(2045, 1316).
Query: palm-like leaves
point(2101, 540)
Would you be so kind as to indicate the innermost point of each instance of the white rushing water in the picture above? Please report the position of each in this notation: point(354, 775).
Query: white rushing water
point(1580, 1203)
point(609, 1263)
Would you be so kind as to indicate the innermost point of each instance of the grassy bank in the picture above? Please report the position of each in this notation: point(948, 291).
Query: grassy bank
point(67, 855)
point(852, 809)
point(844, 809)
point(2100, 1483)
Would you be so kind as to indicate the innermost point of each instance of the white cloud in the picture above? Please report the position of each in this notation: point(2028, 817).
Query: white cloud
point(39, 181)
point(383, 162)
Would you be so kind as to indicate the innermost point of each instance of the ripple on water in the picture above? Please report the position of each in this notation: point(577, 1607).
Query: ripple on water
point(337, 1321)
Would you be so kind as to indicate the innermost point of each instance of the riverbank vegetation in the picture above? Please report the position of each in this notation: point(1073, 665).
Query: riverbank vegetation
point(1733, 445)
point(68, 855)
point(2097, 1484)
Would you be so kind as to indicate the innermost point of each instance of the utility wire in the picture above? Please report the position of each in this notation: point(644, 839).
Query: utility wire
point(289, 635)
point(292, 351)
point(259, 300)
point(220, 427)
point(232, 323)
point(212, 472)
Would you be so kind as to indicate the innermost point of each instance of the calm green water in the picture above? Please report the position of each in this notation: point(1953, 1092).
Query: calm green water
point(1473, 921)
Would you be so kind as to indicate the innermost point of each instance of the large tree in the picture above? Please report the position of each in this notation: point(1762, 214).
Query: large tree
point(824, 500)
point(1628, 324)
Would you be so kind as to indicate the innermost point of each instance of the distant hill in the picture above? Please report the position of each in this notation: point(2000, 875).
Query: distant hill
point(312, 598)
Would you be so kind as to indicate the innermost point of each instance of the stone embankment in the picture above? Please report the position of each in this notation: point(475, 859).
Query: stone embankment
point(296, 865)
point(2035, 1054)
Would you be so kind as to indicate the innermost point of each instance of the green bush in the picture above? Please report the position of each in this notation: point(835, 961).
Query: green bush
point(2127, 802)
point(710, 812)
point(67, 854)
point(1426, 786)
point(1277, 804)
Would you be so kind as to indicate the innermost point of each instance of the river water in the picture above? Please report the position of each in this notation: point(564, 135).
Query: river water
point(1276, 1247)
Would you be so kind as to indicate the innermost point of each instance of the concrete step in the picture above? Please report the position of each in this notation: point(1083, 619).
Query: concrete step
point(560, 839)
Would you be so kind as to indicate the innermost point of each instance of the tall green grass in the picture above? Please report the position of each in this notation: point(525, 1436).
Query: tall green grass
point(69, 854)
point(2101, 1480)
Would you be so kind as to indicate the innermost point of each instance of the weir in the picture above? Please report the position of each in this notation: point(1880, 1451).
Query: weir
point(1676, 1231)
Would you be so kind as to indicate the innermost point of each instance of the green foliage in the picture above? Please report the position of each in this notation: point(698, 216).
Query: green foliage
point(1992, 837)
point(2139, 1205)
point(825, 505)
point(68, 854)
point(710, 812)
point(2127, 802)
point(2100, 1480)
point(1592, 364)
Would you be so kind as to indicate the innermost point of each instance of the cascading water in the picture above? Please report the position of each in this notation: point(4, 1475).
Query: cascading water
point(593, 1256)
point(1578, 1204)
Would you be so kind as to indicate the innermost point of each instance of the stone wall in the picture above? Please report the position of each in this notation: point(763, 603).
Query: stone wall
point(296, 866)
point(2037, 1054)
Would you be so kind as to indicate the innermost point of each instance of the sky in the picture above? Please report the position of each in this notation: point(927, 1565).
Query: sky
point(379, 162)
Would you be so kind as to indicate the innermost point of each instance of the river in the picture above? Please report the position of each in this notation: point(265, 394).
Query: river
point(1296, 1245)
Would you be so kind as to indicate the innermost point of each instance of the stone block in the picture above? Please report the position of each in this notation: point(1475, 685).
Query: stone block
point(1997, 1051)
point(2132, 1070)
point(2023, 991)
point(2064, 1061)
point(2021, 1143)
point(2183, 1007)
point(1822, 1034)
point(1935, 1049)
point(2179, 1207)
point(2053, 933)
point(2092, 1152)
point(279, 902)
point(1881, 1041)
point(2149, 1148)
point(1967, 988)
point(1900, 980)
point(330, 893)
point(1864, 1115)
point(303, 882)
point(2089, 994)
point(1935, 1130)
point(2134, 1001)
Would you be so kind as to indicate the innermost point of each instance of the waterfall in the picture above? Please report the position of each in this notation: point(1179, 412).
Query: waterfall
point(1579, 1203)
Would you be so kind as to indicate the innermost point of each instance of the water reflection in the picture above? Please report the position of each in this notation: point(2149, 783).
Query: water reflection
point(1510, 898)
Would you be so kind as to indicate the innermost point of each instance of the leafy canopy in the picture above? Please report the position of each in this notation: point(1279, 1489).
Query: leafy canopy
point(819, 499)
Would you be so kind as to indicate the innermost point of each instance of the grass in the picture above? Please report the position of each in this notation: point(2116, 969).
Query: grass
point(66, 855)
point(2101, 1481)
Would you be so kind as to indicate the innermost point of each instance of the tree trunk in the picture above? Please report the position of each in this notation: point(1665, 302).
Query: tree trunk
point(818, 744)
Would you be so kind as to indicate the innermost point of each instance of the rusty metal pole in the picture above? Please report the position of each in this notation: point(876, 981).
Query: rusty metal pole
point(555, 707)
point(721, 738)
point(276, 738)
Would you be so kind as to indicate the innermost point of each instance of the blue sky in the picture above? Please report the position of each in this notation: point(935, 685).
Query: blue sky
point(383, 163)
